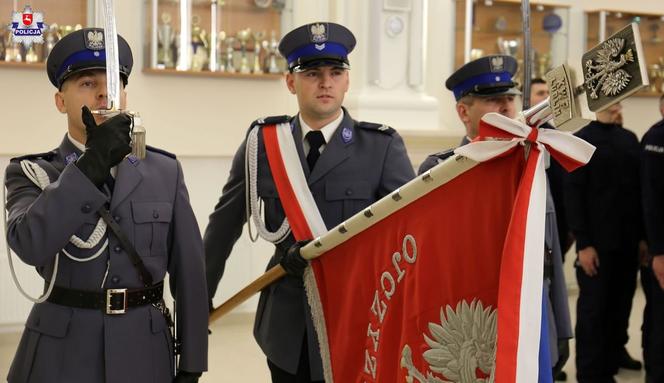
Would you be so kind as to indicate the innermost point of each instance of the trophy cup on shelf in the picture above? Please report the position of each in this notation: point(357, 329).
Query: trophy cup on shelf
point(653, 74)
point(221, 38)
point(274, 46)
point(12, 50)
point(230, 50)
point(51, 38)
point(166, 38)
point(199, 46)
point(31, 55)
point(243, 36)
point(258, 36)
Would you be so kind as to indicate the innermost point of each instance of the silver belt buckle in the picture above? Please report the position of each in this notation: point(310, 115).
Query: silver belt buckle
point(109, 305)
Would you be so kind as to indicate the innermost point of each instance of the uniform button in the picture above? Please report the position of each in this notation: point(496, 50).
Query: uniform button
point(155, 214)
point(116, 218)
point(349, 191)
point(117, 248)
point(115, 279)
point(86, 208)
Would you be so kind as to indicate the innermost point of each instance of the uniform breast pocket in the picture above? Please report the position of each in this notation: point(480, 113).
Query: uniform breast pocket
point(350, 196)
point(151, 224)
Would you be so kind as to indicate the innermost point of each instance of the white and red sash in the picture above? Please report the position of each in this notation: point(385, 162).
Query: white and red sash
point(298, 203)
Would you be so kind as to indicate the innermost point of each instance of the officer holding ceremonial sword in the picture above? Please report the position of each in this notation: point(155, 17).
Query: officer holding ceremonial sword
point(103, 227)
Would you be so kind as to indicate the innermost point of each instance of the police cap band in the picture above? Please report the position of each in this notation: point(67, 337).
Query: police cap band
point(317, 44)
point(84, 50)
point(485, 77)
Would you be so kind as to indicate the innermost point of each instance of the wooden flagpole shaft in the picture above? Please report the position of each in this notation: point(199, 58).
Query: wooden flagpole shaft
point(396, 200)
point(270, 276)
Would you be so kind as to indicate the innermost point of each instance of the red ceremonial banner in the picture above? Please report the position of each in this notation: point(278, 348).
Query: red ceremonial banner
point(413, 297)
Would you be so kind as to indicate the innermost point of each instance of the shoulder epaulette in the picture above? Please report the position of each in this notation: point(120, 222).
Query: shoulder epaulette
point(160, 151)
point(272, 120)
point(445, 154)
point(48, 156)
point(376, 127)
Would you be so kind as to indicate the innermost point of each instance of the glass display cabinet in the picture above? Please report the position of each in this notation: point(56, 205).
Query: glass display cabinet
point(485, 27)
point(603, 23)
point(225, 38)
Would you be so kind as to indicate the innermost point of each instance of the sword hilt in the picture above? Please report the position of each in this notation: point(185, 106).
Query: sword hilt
point(137, 129)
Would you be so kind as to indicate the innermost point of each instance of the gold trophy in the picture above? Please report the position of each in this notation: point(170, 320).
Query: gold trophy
point(166, 37)
point(230, 66)
point(258, 67)
point(243, 36)
point(199, 46)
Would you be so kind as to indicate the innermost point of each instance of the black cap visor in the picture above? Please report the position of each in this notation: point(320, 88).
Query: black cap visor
point(491, 90)
point(90, 66)
point(333, 61)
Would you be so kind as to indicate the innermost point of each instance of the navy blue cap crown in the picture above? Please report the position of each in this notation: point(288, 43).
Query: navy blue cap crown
point(83, 50)
point(317, 44)
point(484, 77)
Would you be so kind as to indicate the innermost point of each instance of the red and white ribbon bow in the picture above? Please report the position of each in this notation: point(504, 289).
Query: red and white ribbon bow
point(499, 134)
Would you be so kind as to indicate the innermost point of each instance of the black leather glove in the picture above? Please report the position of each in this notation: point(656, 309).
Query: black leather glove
point(106, 145)
point(293, 262)
point(187, 377)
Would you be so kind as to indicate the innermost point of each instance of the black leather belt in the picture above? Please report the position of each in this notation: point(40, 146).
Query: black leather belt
point(111, 301)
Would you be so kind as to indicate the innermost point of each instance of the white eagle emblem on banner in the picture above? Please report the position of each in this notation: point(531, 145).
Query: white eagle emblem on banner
point(463, 343)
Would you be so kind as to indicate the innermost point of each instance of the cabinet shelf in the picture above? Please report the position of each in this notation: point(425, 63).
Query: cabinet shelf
point(247, 76)
point(22, 65)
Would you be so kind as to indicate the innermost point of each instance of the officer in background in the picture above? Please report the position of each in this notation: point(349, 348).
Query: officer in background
point(482, 86)
point(348, 165)
point(603, 205)
point(105, 319)
point(652, 276)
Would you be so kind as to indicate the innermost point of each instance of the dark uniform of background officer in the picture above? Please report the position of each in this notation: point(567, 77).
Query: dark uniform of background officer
point(482, 86)
point(72, 337)
point(359, 163)
point(604, 213)
point(652, 278)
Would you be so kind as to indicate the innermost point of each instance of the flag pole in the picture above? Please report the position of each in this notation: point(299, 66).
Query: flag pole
point(398, 199)
point(527, 62)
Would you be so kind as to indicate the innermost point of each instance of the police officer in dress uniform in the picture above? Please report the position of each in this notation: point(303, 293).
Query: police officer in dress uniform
point(105, 319)
point(482, 86)
point(603, 205)
point(348, 165)
point(652, 276)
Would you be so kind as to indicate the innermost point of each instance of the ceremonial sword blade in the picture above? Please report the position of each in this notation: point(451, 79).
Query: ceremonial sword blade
point(112, 57)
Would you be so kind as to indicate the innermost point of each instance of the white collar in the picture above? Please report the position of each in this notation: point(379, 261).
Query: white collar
point(327, 130)
point(77, 144)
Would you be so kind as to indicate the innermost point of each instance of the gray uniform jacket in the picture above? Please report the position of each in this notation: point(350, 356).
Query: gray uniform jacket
point(555, 288)
point(151, 204)
point(362, 163)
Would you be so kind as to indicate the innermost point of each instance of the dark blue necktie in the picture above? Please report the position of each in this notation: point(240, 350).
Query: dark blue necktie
point(316, 140)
